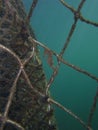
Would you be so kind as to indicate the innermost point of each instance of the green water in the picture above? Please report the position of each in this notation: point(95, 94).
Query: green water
point(51, 22)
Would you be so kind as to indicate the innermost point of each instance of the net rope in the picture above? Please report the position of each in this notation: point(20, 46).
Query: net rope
point(21, 70)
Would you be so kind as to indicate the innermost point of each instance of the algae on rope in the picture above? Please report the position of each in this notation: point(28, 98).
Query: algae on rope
point(23, 99)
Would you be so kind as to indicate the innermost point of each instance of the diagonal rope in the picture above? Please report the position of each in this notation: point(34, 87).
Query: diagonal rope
point(62, 60)
point(93, 108)
point(33, 5)
point(12, 122)
point(77, 16)
point(10, 98)
point(70, 113)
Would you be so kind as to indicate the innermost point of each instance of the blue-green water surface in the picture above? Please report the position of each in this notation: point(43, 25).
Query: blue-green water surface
point(51, 22)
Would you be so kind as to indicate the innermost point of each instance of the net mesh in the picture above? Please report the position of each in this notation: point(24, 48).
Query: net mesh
point(22, 80)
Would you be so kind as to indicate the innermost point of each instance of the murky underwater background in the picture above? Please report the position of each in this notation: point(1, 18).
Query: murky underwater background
point(51, 23)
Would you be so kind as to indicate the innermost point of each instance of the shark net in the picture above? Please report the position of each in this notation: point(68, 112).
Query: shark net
point(25, 101)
